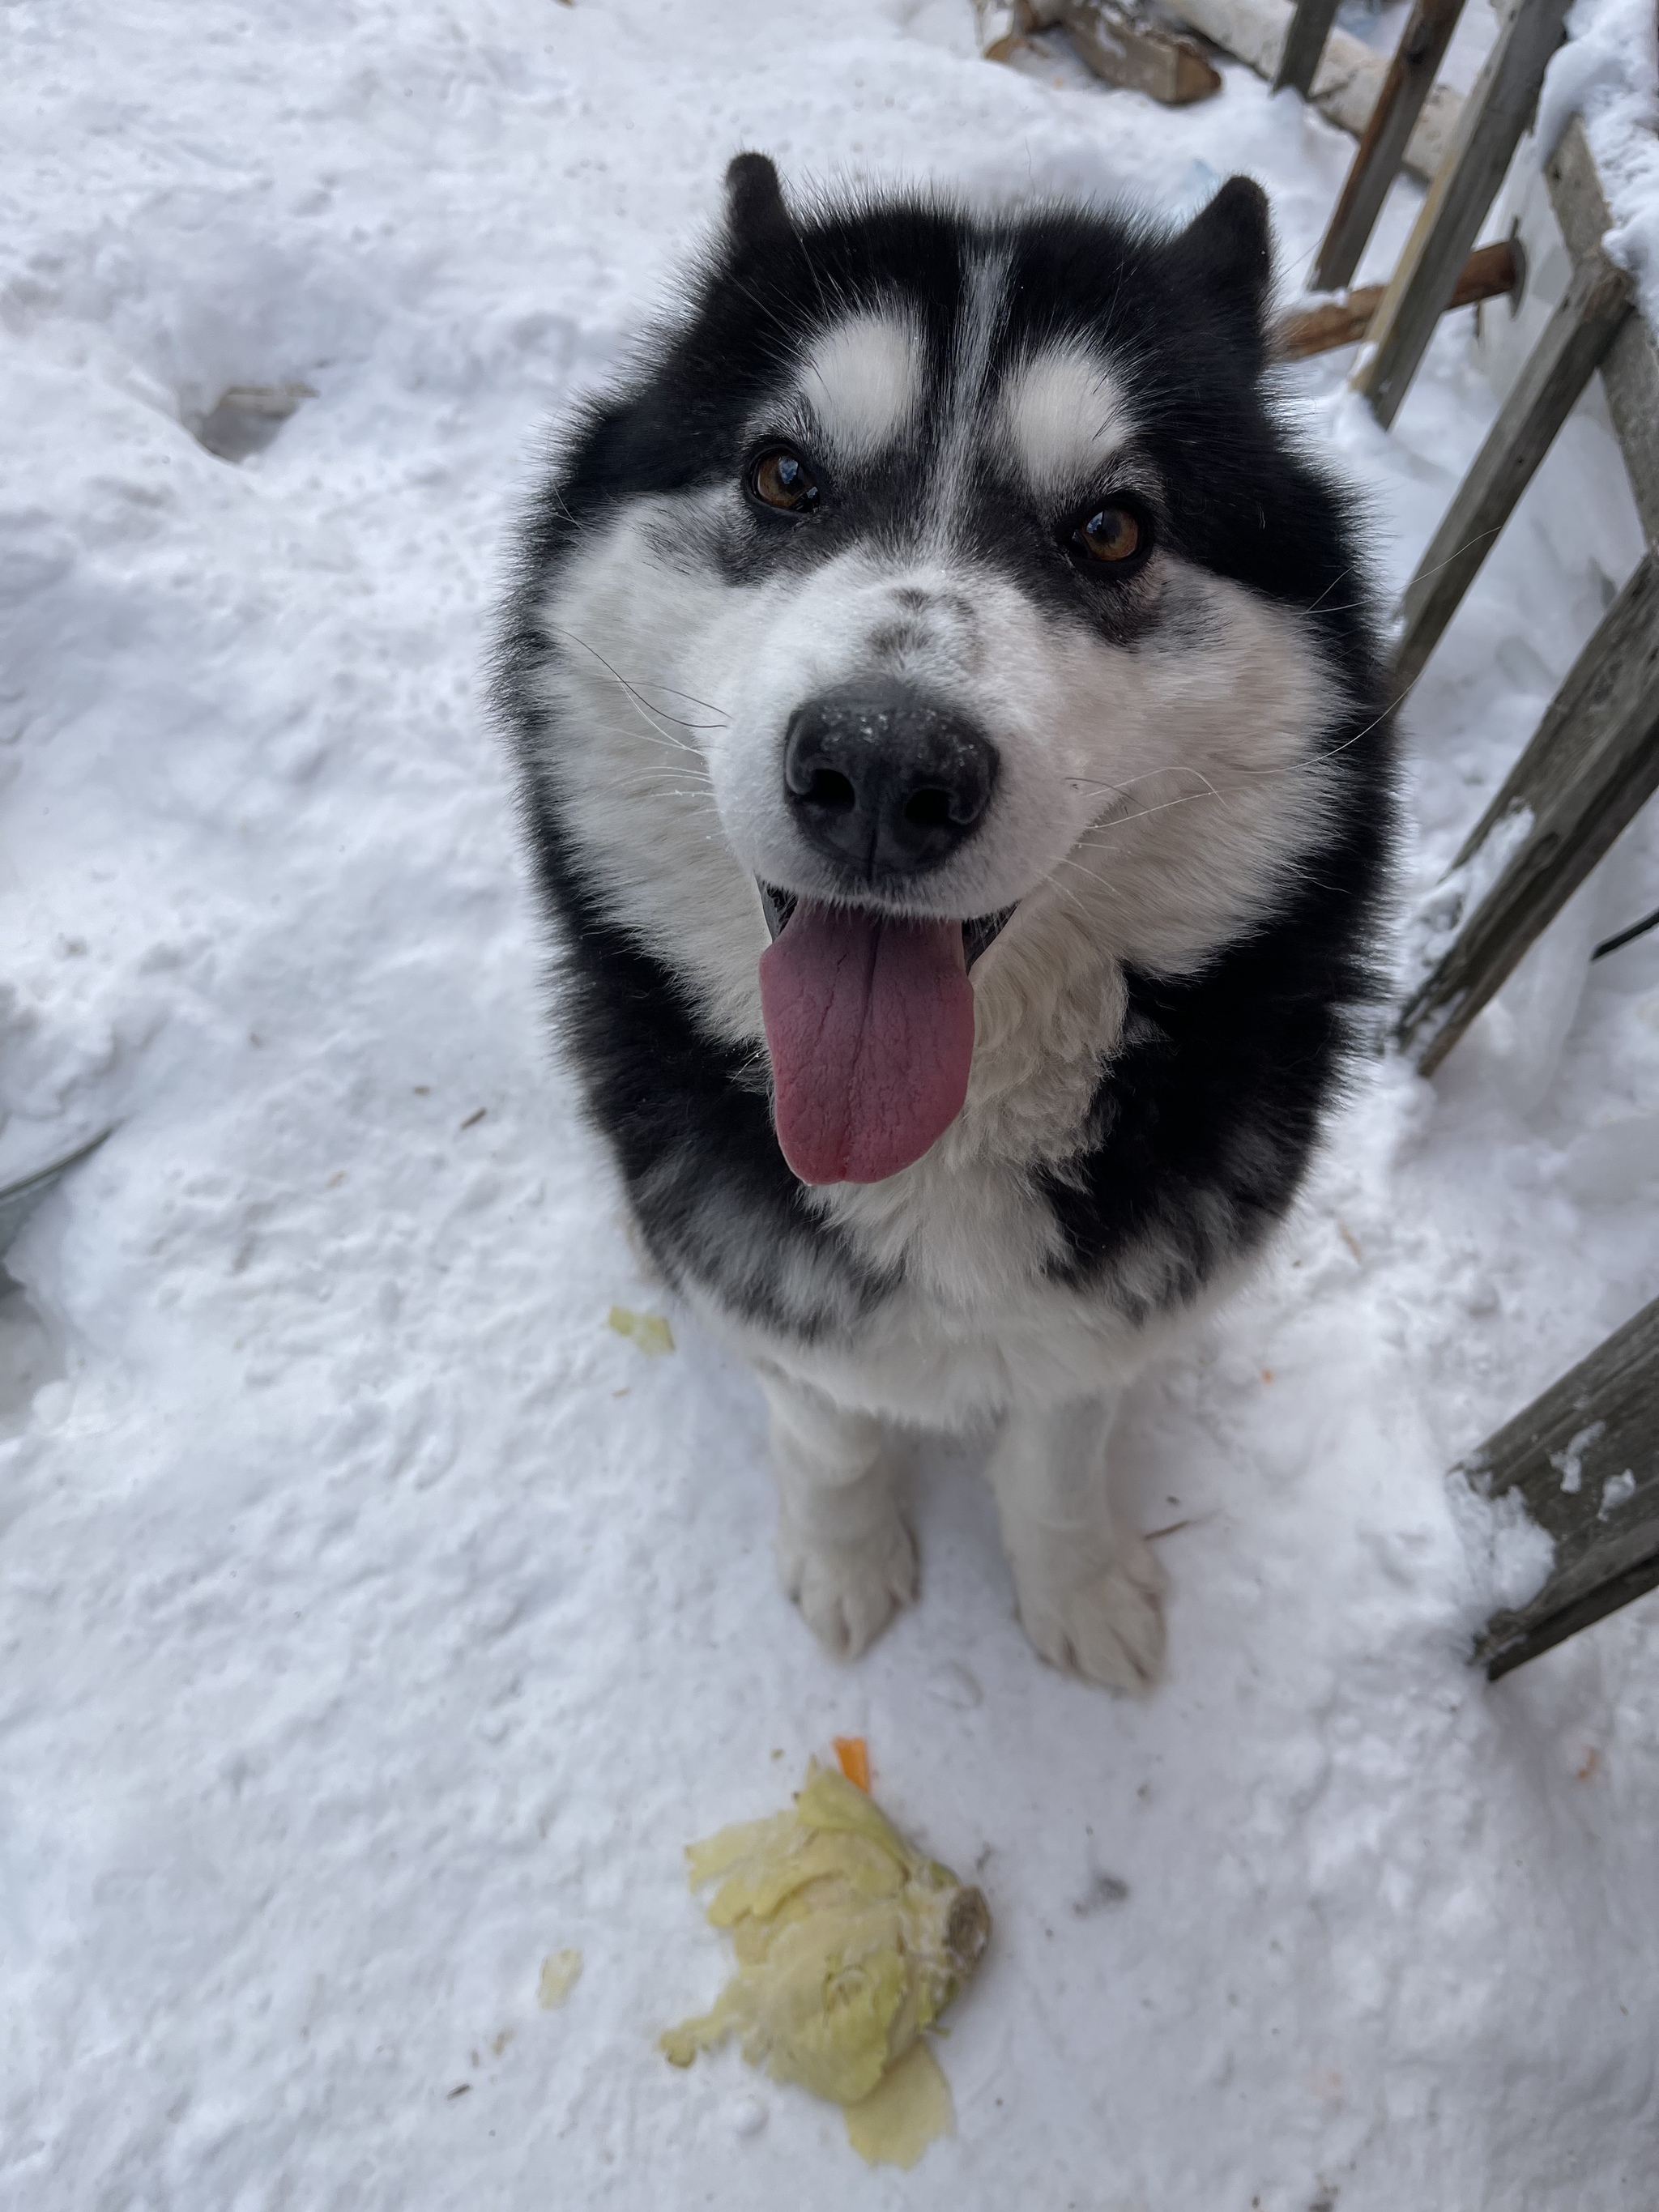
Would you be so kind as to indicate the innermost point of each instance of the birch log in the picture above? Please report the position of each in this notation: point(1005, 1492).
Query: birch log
point(1347, 83)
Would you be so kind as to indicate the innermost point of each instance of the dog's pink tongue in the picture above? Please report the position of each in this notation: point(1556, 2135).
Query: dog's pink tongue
point(869, 1024)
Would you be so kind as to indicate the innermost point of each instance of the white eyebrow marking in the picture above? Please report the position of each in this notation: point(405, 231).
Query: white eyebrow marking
point(862, 381)
point(1065, 416)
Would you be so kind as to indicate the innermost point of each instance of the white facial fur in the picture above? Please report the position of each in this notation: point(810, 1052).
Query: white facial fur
point(1065, 417)
point(1152, 803)
point(1104, 751)
point(860, 384)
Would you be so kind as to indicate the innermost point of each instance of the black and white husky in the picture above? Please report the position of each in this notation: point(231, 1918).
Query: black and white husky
point(953, 747)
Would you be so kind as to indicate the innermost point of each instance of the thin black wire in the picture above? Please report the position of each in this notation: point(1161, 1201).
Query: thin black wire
point(1625, 936)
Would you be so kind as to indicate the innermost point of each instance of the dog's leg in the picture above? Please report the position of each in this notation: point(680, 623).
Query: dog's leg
point(1089, 1588)
point(844, 1554)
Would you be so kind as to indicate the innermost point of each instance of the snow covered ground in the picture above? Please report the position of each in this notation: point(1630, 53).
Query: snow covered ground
point(376, 1621)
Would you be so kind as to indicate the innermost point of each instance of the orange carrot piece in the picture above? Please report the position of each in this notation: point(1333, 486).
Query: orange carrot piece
point(853, 1754)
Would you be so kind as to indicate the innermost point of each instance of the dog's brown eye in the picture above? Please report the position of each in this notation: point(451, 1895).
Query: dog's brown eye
point(781, 478)
point(1110, 534)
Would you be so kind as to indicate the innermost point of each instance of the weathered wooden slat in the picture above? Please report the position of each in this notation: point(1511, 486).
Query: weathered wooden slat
point(1304, 42)
point(1630, 377)
point(1630, 372)
point(1489, 130)
point(1593, 762)
point(1409, 84)
point(1489, 272)
point(1585, 1460)
point(1574, 190)
point(1557, 370)
point(1346, 82)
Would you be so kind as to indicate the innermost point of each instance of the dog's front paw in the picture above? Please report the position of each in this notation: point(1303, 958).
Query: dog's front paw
point(1096, 1613)
point(849, 1592)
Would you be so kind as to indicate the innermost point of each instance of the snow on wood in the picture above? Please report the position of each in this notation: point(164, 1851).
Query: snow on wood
point(1593, 764)
point(1584, 1460)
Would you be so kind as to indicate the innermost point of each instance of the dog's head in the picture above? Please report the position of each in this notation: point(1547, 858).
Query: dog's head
point(941, 595)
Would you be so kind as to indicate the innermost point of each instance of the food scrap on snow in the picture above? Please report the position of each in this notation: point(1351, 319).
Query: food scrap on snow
point(849, 1944)
point(649, 1331)
point(561, 1971)
point(852, 1757)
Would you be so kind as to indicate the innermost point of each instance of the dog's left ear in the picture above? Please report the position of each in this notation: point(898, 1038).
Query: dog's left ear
point(756, 215)
point(1229, 247)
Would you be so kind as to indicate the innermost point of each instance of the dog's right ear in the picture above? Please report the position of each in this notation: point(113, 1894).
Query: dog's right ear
point(1231, 242)
point(756, 215)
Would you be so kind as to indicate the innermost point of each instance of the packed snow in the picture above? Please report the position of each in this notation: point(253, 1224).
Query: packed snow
point(380, 1624)
point(1609, 72)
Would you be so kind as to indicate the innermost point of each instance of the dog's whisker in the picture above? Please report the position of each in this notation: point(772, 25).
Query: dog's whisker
point(1096, 841)
point(1128, 783)
point(655, 783)
point(691, 760)
point(1315, 760)
point(1051, 882)
point(634, 690)
point(1142, 813)
point(663, 737)
point(1314, 604)
point(1467, 546)
point(708, 705)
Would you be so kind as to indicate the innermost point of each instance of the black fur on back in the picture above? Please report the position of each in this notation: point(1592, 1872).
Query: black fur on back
point(1206, 1116)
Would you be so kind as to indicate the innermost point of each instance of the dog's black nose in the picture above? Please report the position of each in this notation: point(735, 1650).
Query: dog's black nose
point(883, 782)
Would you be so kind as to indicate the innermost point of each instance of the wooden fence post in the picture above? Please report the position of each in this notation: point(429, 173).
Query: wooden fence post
point(1585, 1460)
point(1593, 763)
point(1494, 115)
point(1630, 368)
point(1557, 370)
point(1410, 80)
point(1304, 42)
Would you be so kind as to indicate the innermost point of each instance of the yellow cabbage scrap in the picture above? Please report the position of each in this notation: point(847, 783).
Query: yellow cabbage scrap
point(849, 1942)
point(561, 1971)
point(649, 1331)
point(906, 2110)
